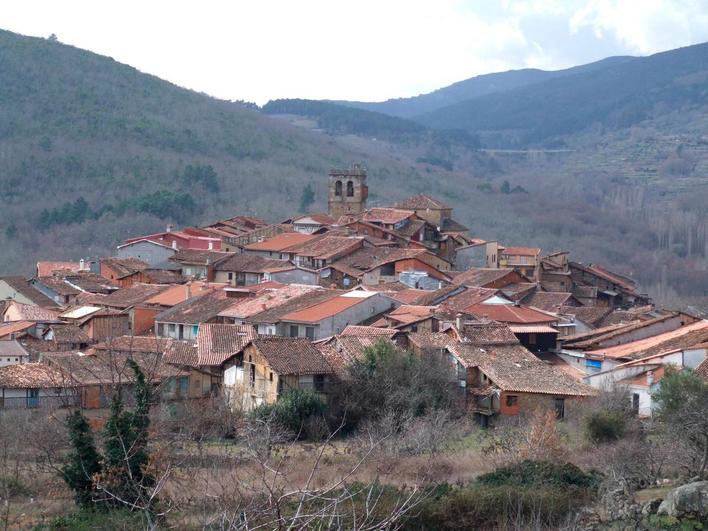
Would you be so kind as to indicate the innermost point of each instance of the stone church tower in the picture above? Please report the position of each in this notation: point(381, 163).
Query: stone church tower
point(347, 191)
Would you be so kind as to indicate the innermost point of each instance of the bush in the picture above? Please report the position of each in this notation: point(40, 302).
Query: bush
point(539, 473)
point(298, 410)
point(605, 426)
point(87, 520)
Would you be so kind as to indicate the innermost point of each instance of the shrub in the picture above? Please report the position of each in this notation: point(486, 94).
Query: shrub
point(297, 410)
point(605, 426)
point(539, 473)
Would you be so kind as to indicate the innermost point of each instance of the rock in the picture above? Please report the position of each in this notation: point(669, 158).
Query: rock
point(687, 500)
point(651, 506)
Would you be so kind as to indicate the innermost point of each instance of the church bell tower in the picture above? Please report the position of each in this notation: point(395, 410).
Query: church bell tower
point(347, 191)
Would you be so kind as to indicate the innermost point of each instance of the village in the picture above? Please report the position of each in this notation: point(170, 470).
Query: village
point(245, 310)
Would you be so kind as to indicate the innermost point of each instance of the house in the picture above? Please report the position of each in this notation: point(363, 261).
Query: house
point(65, 337)
point(266, 310)
point(278, 246)
point(17, 311)
point(204, 357)
point(549, 301)
point(525, 260)
point(49, 268)
point(147, 251)
point(20, 290)
point(331, 316)
point(57, 289)
point(477, 253)
point(182, 320)
point(554, 272)
point(124, 271)
point(412, 318)
point(342, 350)
point(642, 377)
point(197, 263)
point(268, 366)
point(322, 251)
point(603, 349)
point(613, 289)
point(188, 238)
point(36, 385)
point(247, 269)
point(98, 323)
point(12, 353)
point(310, 223)
point(127, 299)
point(16, 329)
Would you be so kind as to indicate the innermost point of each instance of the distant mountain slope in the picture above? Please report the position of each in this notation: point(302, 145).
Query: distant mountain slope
point(476, 87)
point(615, 96)
point(92, 151)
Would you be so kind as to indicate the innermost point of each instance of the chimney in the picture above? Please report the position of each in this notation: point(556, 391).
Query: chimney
point(82, 263)
point(211, 245)
point(458, 322)
point(174, 244)
point(189, 292)
point(169, 228)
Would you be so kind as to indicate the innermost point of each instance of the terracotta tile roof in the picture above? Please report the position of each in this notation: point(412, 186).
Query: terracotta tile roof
point(556, 361)
point(387, 216)
point(182, 353)
point(321, 219)
point(591, 315)
point(144, 344)
point(487, 333)
point(46, 269)
point(441, 295)
point(176, 294)
point(481, 276)
point(69, 333)
point(468, 298)
point(421, 202)
point(135, 294)
point(512, 368)
point(286, 355)
point(328, 247)
point(683, 337)
point(510, 313)
point(58, 285)
point(250, 263)
point(124, 267)
point(317, 312)
point(198, 256)
point(276, 312)
point(21, 286)
point(267, 300)
point(549, 301)
point(17, 328)
point(452, 226)
point(281, 242)
point(369, 258)
point(30, 312)
point(12, 349)
point(642, 379)
point(521, 251)
point(623, 282)
point(32, 376)
point(411, 228)
point(410, 295)
point(163, 276)
point(409, 313)
point(109, 368)
point(619, 330)
point(90, 282)
point(196, 310)
point(368, 331)
point(389, 287)
point(516, 292)
point(429, 340)
point(702, 369)
point(218, 342)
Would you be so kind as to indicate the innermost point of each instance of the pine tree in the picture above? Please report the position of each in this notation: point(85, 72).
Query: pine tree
point(83, 461)
point(307, 198)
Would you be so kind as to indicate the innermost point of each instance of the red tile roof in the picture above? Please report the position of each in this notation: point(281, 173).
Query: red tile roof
point(33, 376)
point(268, 299)
point(468, 298)
point(124, 267)
point(31, 312)
point(328, 247)
point(281, 242)
point(218, 342)
point(323, 310)
point(45, 269)
point(15, 327)
point(407, 313)
point(422, 201)
point(368, 331)
point(509, 313)
point(521, 251)
point(482, 276)
point(287, 355)
point(387, 216)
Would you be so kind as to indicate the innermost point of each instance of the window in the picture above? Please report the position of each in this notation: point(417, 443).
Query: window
point(310, 333)
point(294, 330)
point(414, 328)
point(635, 403)
point(388, 270)
point(171, 328)
point(559, 404)
point(231, 276)
point(338, 188)
point(319, 382)
point(512, 400)
point(350, 189)
point(160, 329)
point(271, 377)
point(532, 339)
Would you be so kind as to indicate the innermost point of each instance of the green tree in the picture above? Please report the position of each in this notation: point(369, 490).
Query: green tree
point(307, 198)
point(505, 188)
point(682, 406)
point(83, 461)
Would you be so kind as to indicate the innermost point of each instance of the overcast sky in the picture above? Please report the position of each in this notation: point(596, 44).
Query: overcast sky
point(355, 49)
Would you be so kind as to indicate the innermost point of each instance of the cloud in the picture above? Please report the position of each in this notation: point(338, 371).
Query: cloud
point(366, 50)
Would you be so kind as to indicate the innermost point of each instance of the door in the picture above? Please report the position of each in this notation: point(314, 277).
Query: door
point(33, 398)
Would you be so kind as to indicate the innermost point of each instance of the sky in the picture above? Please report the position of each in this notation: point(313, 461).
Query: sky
point(368, 50)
